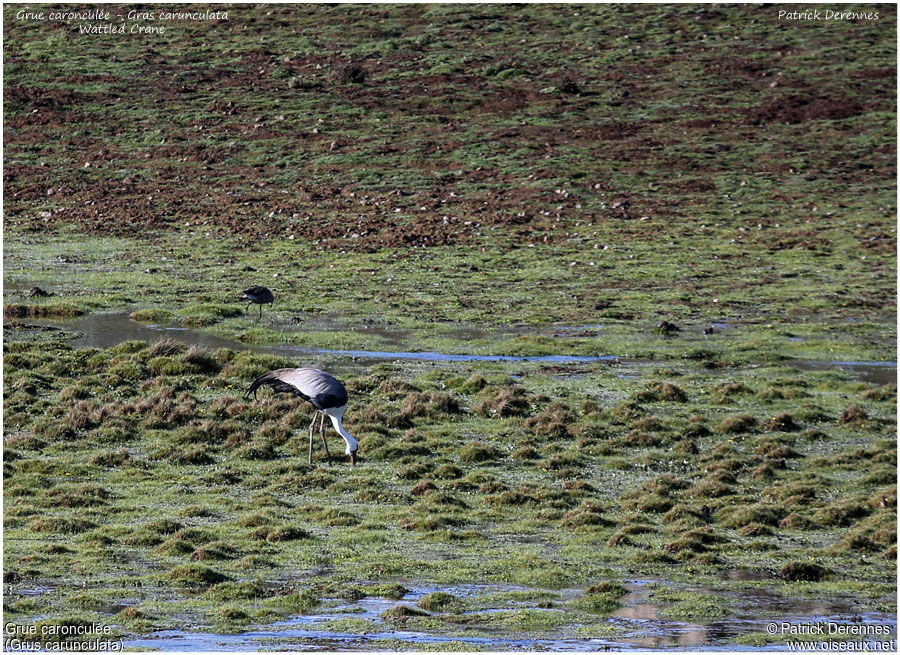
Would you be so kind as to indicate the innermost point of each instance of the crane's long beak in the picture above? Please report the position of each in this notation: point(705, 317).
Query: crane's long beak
point(353, 458)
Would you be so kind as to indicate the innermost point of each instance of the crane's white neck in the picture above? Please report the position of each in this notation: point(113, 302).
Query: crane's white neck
point(335, 414)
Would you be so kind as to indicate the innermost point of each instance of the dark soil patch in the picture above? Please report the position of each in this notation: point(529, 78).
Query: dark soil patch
point(799, 109)
point(616, 131)
point(692, 186)
point(737, 67)
point(877, 73)
point(31, 98)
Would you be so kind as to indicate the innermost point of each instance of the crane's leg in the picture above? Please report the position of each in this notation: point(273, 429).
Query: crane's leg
point(312, 426)
point(260, 311)
point(322, 432)
point(247, 310)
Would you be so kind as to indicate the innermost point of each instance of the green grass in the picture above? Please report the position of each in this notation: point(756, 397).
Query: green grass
point(544, 523)
point(437, 308)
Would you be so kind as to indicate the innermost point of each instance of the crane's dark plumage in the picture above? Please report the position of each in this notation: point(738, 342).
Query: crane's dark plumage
point(258, 296)
point(322, 390)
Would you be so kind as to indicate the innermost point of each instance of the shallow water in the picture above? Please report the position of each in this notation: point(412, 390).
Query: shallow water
point(110, 329)
point(104, 330)
point(443, 357)
point(296, 639)
point(639, 625)
point(875, 372)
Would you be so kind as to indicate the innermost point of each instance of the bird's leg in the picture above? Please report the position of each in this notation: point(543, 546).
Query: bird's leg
point(260, 311)
point(247, 309)
point(311, 428)
point(322, 432)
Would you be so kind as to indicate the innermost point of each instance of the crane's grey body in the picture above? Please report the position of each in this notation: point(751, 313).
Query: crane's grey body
point(322, 390)
point(258, 296)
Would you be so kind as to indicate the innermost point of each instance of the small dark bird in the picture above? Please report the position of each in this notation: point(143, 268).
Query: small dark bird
point(569, 86)
point(258, 296)
point(709, 330)
point(325, 392)
point(37, 292)
point(666, 328)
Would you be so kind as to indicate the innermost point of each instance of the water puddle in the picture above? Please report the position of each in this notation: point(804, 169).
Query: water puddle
point(108, 330)
point(875, 372)
point(744, 575)
point(639, 625)
point(35, 591)
point(755, 609)
point(104, 330)
point(314, 640)
point(443, 357)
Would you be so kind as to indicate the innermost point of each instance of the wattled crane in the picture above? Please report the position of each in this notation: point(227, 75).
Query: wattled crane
point(325, 392)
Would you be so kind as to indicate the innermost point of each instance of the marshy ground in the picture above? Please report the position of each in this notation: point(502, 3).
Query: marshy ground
point(145, 491)
point(559, 185)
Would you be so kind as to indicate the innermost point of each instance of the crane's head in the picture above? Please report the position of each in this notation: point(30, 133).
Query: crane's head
point(353, 456)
